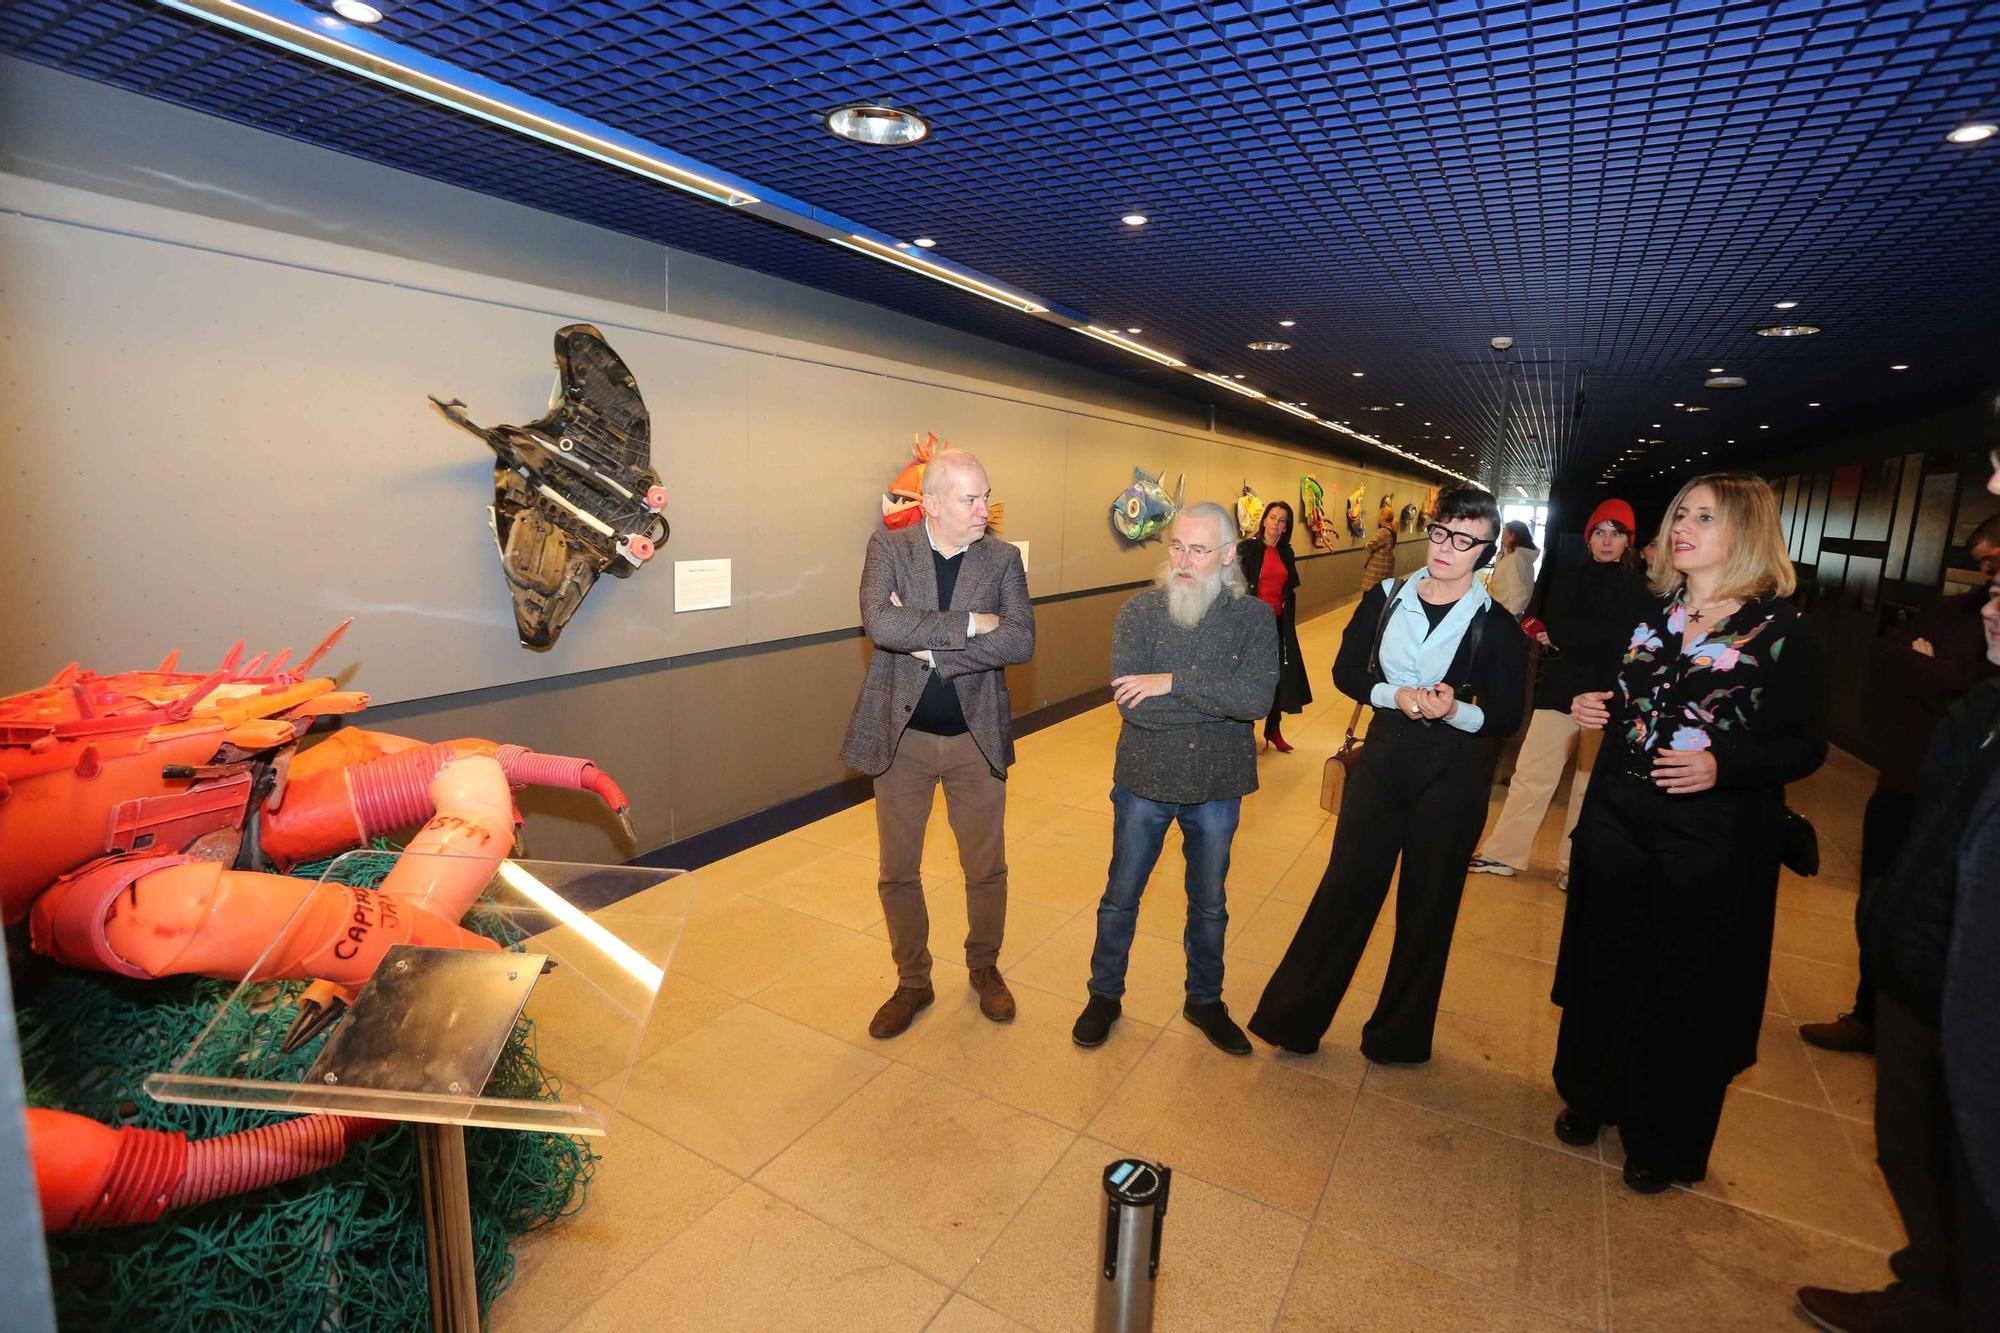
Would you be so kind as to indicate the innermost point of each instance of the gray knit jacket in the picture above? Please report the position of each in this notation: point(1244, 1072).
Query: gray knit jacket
point(1193, 744)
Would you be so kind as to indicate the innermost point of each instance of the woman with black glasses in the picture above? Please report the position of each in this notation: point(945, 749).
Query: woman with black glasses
point(1443, 664)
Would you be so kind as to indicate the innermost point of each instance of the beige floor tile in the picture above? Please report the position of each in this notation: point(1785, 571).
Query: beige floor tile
point(839, 992)
point(1054, 878)
point(645, 1190)
point(1512, 1216)
point(1030, 1063)
point(1155, 970)
point(759, 1265)
point(965, 1315)
point(1265, 934)
point(1814, 992)
point(1796, 1163)
point(1495, 1075)
point(1283, 827)
point(1224, 1259)
point(1028, 922)
point(1820, 895)
point(834, 886)
point(1819, 936)
point(922, 1169)
point(587, 1041)
point(1682, 1261)
point(754, 865)
point(742, 944)
point(849, 830)
point(1301, 879)
point(1783, 1068)
point(1342, 1284)
point(1497, 987)
point(1028, 816)
point(740, 1089)
point(1507, 924)
point(1847, 1076)
point(1246, 1123)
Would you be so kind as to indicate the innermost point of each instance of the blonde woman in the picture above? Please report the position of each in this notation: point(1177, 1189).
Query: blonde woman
point(1720, 701)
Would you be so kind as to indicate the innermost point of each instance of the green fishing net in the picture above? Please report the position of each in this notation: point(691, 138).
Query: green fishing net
point(340, 1249)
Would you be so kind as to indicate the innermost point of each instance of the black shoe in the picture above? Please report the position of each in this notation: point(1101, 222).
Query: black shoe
point(1093, 1025)
point(1295, 1047)
point(1846, 1033)
point(1854, 1311)
point(1377, 1058)
point(1576, 1129)
point(1646, 1179)
point(1214, 1023)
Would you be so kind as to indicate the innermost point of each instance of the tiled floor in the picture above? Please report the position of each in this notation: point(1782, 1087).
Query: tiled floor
point(772, 1167)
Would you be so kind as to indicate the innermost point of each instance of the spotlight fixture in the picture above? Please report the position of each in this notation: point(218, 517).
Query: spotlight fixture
point(879, 126)
point(1119, 340)
point(1295, 410)
point(1763, 428)
point(932, 269)
point(1135, 219)
point(1228, 384)
point(356, 12)
point(1268, 345)
point(1977, 131)
point(1715, 370)
point(1784, 305)
point(1286, 323)
point(1378, 408)
point(1812, 404)
point(1697, 409)
point(926, 242)
point(1358, 373)
point(1899, 367)
point(1787, 330)
point(1135, 329)
point(1724, 382)
point(1680, 404)
point(1399, 404)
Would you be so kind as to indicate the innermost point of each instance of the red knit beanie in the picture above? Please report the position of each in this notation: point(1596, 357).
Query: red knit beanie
point(1612, 511)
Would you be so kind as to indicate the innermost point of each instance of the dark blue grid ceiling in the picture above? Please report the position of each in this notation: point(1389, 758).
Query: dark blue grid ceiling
point(1623, 188)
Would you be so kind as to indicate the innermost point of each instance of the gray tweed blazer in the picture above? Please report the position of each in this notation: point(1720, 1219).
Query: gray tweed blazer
point(990, 579)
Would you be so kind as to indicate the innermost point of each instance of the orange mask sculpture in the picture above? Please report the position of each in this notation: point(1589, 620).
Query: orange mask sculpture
point(903, 501)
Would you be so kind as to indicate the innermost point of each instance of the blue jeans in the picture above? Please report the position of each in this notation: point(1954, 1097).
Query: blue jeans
point(1138, 829)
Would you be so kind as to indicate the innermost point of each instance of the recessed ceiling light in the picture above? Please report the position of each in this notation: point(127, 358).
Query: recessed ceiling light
point(1680, 404)
point(1787, 330)
point(1236, 377)
point(1358, 373)
point(1812, 404)
point(356, 12)
point(1268, 345)
point(1427, 423)
point(1763, 428)
point(1656, 425)
point(1286, 323)
point(1378, 408)
point(1704, 453)
point(1899, 367)
point(926, 242)
point(1697, 409)
point(1399, 404)
point(1135, 219)
point(1978, 131)
point(1784, 305)
point(879, 126)
point(1715, 370)
point(1724, 382)
point(1135, 329)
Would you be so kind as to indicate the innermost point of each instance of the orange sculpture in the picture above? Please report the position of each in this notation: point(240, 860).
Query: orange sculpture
point(137, 810)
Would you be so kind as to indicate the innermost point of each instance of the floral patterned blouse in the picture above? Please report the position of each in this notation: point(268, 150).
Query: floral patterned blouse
point(1753, 692)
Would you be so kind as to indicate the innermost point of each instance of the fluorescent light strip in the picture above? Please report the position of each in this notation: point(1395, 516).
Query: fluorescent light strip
point(563, 910)
point(1119, 340)
point(950, 277)
point(1228, 384)
point(1295, 411)
point(329, 48)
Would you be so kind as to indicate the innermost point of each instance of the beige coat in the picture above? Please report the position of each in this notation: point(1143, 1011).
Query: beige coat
point(990, 579)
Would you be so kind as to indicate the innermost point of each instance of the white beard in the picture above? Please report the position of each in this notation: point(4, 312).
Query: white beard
point(1188, 600)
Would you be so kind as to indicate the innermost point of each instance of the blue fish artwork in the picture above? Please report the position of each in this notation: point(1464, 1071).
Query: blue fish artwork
point(1142, 511)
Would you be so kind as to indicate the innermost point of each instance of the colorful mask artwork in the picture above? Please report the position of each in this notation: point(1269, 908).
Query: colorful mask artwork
point(903, 501)
point(1142, 510)
point(1429, 508)
point(1249, 511)
point(1312, 507)
point(1409, 517)
point(1354, 504)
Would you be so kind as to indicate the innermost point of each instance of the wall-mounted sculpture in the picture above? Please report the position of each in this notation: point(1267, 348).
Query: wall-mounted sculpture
point(903, 501)
point(575, 493)
point(1408, 518)
point(1312, 505)
point(1142, 510)
point(1249, 511)
point(1355, 500)
point(1429, 508)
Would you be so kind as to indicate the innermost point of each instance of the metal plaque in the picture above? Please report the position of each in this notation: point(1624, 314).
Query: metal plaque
point(431, 1021)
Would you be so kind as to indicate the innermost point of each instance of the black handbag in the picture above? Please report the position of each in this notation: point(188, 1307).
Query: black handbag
point(1801, 851)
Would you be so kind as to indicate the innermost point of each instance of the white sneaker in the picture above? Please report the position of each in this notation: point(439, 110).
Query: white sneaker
point(1482, 865)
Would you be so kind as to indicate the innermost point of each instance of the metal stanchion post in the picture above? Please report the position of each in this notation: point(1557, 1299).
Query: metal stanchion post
point(1135, 1208)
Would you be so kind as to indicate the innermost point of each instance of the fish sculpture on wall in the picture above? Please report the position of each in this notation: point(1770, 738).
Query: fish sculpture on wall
point(1409, 517)
point(1354, 503)
point(903, 501)
point(1249, 511)
point(1142, 510)
point(1312, 507)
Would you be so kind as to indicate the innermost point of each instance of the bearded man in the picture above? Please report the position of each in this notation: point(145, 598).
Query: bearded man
point(1194, 663)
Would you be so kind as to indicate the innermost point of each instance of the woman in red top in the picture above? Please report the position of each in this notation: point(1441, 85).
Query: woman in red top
point(1274, 582)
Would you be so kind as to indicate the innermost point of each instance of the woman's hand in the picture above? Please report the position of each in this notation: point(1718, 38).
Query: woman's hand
point(1542, 637)
point(1439, 702)
point(1410, 701)
point(1588, 710)
point(1683, 772)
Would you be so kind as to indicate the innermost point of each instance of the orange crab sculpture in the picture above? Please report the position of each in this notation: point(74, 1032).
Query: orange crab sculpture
point(140, 815)
point(903, 501)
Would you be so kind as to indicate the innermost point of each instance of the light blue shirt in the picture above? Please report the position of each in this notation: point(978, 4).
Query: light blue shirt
point(1414, 654)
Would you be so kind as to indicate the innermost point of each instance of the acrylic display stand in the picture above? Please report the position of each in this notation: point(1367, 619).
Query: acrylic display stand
point(421, 1039)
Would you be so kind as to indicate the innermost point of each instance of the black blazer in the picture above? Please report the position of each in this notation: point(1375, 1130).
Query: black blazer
point(1497, 681)
point(1250, 559)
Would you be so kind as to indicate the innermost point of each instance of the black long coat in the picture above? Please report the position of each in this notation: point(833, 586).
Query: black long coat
point(1294, 690)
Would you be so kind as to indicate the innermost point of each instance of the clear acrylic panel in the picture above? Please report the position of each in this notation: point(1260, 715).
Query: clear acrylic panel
point(609, 934)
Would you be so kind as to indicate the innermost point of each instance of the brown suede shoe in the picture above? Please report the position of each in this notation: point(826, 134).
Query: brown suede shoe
point(893, 1018)
point(995, 1000)
point(1846, 1033)
point(1853, 1311)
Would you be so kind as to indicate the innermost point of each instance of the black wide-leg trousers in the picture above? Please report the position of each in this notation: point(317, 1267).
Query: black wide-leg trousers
point(1418, 794)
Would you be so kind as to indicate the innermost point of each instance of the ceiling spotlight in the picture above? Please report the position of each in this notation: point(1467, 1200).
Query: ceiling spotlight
point(1978, 131)
point(1399, 404)
point(1899, 367)
point(1680, 404)
point(1697, 409)
point(1135, 329)
point(1784, 305)
point(926, 242)
point(1378, 408)
point(1427, 423)
point(1715, 370)
point(356, 12)
point(1135, 219)
point(1724, 382)
point(1812, 404)
point(1656, 425)
point(1286, 323)
point(1763, 428)
point(881, 126)
point(1236, 377)
point(1268, 345)
point(1787, 330)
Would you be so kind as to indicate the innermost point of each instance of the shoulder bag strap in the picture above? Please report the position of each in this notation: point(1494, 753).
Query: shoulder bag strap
point(1374, 650)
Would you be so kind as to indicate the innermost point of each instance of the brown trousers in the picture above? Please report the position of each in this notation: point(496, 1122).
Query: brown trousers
point(976, 804)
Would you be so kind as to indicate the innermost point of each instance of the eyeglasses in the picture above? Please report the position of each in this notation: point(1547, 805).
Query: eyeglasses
point(1460, 541)
point(1183, 549)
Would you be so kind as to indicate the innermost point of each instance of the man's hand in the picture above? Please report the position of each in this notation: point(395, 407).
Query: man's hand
point(924, 655)
point(1587, 710)
point(1923, 646)
point(1439, 702)
point(1683, 772)
point(984, 622)
point(893, 599)
point(1128, 691)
